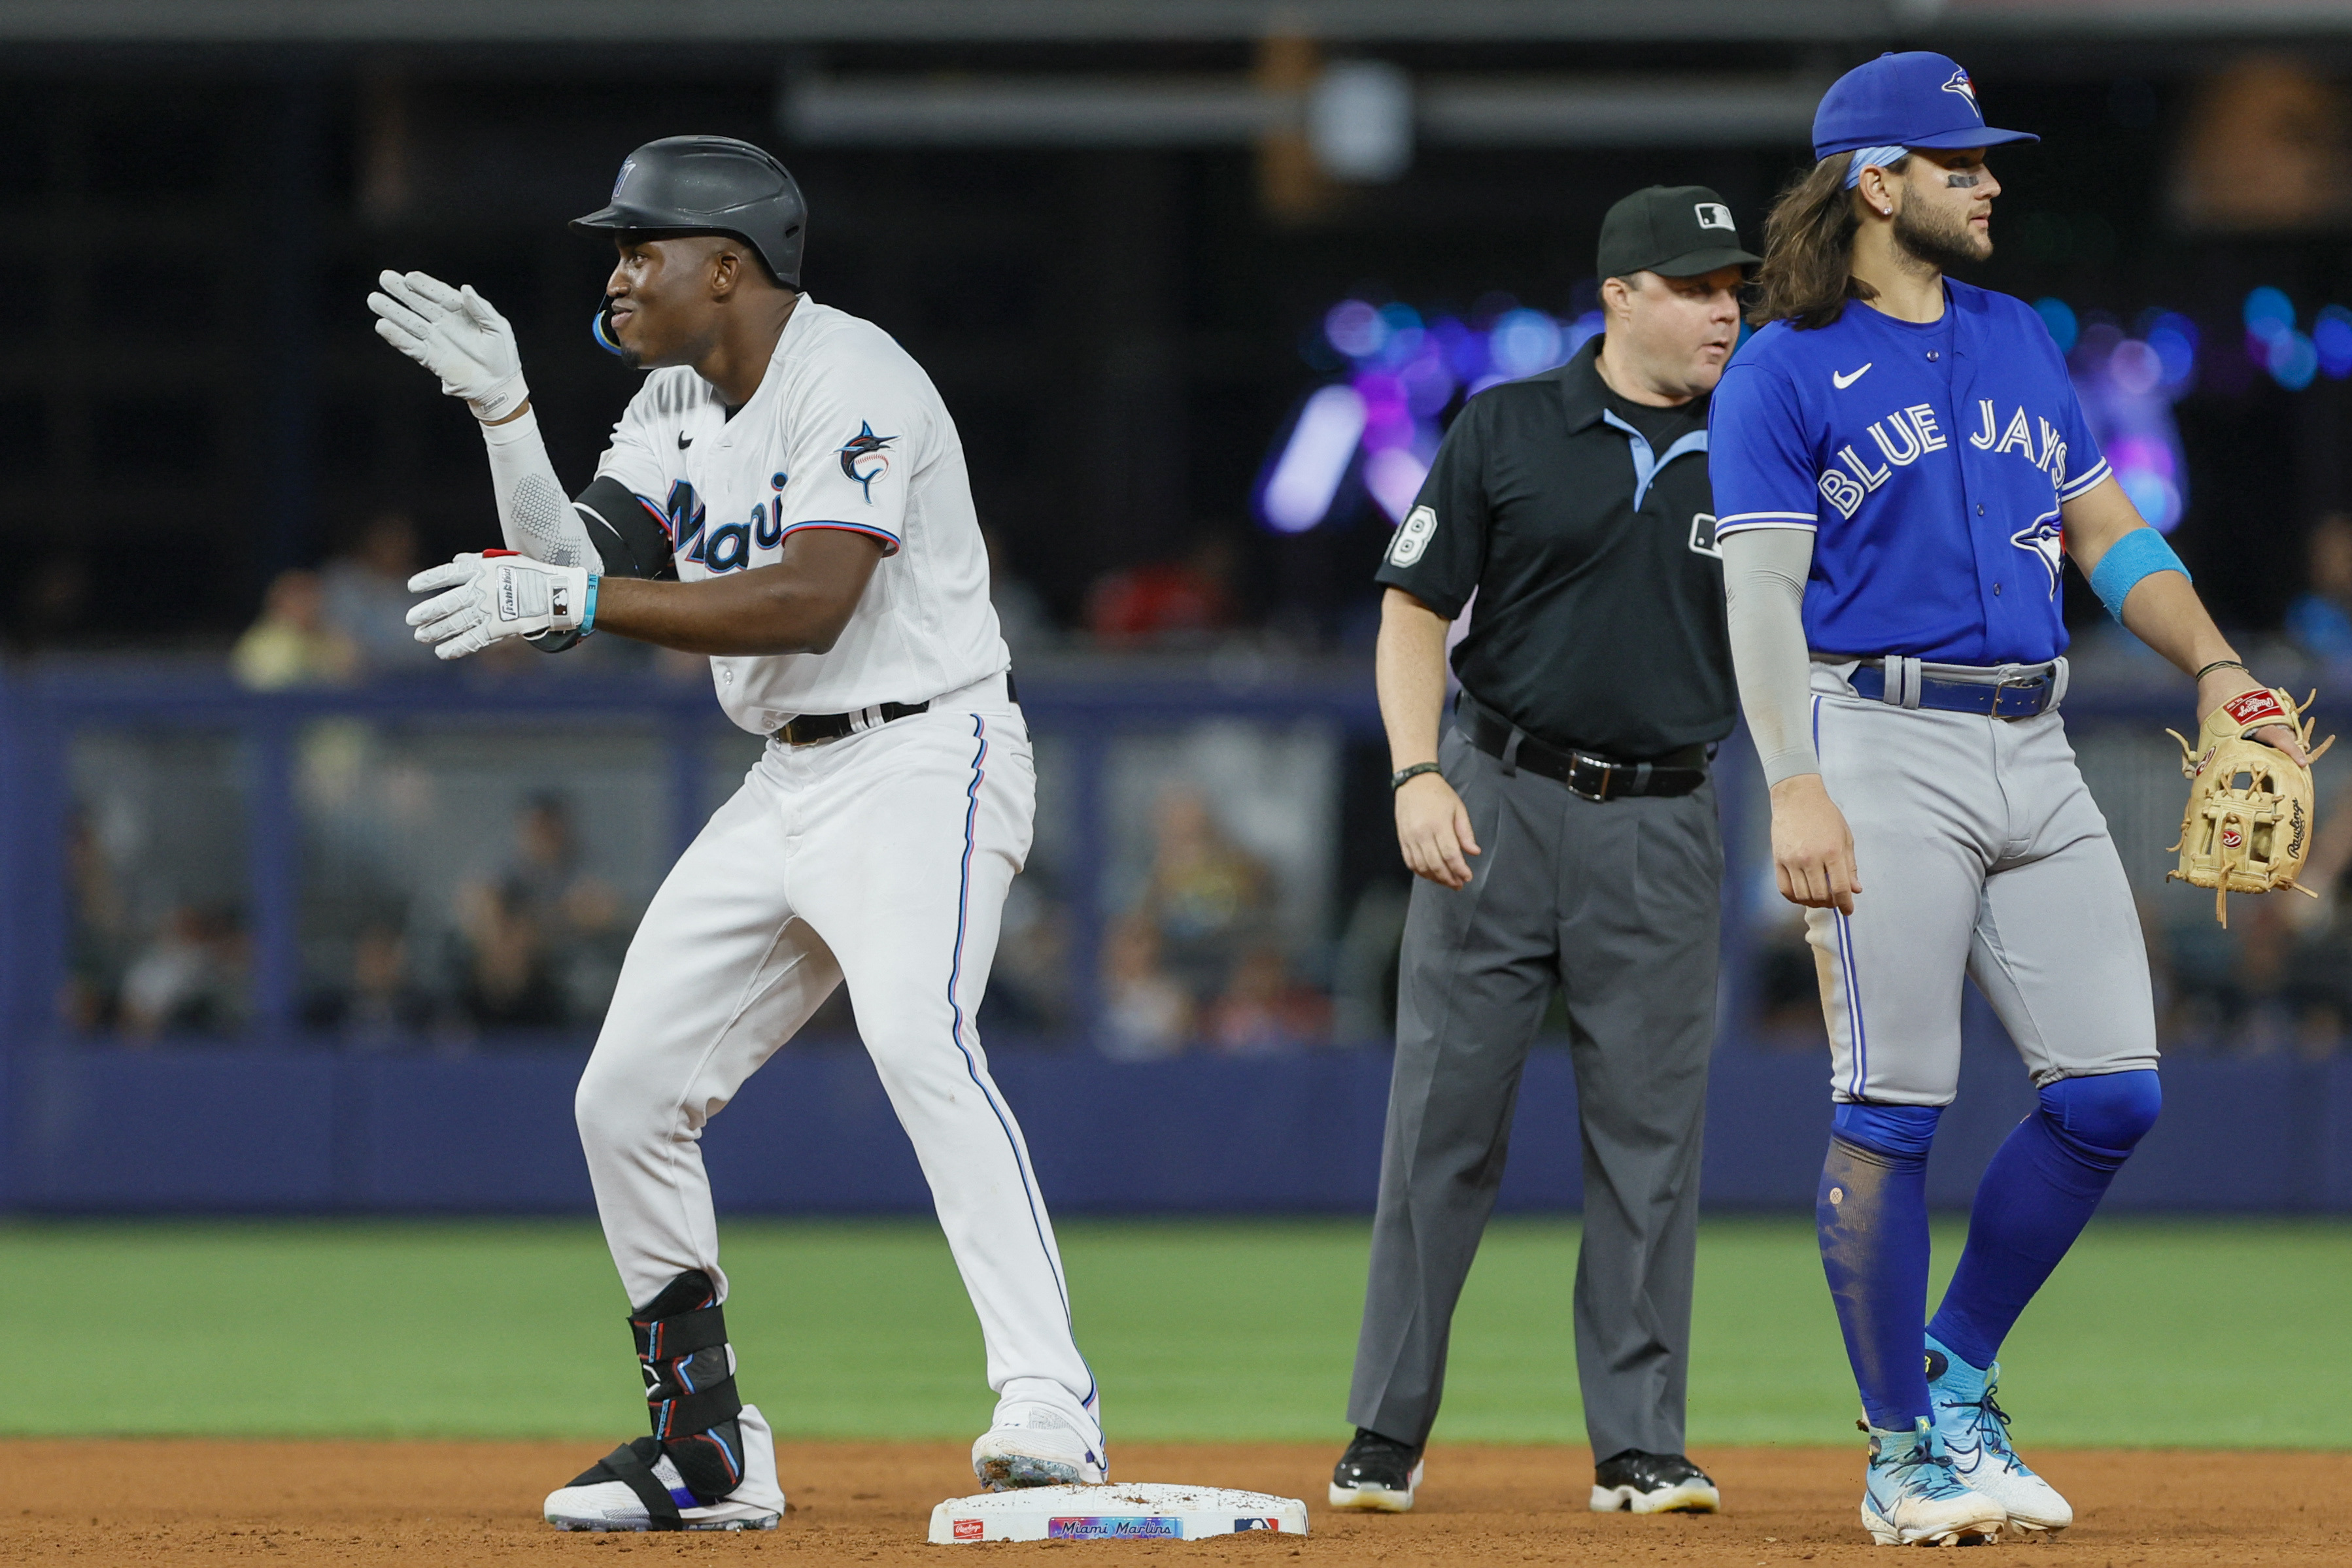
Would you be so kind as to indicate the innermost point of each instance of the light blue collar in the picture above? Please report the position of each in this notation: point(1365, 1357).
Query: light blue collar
point(1646, 464)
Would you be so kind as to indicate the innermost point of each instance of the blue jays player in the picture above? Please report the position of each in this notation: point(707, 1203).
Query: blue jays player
point(786, 493)
point(1900, 468)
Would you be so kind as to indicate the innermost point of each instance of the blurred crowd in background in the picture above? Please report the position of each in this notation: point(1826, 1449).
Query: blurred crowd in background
point(1231, 923)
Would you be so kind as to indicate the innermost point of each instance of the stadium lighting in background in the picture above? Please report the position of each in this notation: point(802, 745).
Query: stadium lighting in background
point(2127, 383)
point(1403, 371)
point(1381, 421)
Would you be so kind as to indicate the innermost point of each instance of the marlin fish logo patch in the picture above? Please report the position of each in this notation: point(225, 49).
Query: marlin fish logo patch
point(866, 448)
point(1966, 89)
point(2046, 539)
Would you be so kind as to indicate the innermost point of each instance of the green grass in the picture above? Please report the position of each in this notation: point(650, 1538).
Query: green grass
point(2220, 1333)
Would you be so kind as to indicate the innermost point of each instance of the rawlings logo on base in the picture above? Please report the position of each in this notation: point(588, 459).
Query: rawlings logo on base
point(970, 1530)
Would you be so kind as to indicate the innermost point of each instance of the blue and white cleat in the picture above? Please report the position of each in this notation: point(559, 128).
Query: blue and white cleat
point(1910, 1496)
point(1975, 1433)
point(1034, 1445)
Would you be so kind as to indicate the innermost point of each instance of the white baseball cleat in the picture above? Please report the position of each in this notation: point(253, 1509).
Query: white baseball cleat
point(1974, 1431)
point(589, 1503)
point(1911, 1498)
point(637, 1487)
point(1034, 1445)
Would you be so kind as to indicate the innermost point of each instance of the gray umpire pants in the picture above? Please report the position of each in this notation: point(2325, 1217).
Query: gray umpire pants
point(1617, 903)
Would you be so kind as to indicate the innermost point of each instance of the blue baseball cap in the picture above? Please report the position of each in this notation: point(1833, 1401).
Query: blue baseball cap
point(1918, 99)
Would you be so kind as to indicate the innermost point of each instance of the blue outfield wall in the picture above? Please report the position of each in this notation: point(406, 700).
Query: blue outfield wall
point(278, 1131)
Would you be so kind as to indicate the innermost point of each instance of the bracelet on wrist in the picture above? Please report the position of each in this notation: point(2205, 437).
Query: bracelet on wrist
point(2221, 664)
point(1397, 779)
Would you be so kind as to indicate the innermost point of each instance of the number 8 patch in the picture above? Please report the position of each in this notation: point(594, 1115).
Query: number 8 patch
point(1412, 536)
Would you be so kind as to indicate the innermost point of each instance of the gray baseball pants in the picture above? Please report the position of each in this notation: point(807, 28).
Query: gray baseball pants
point(1616, 903)
point(1981, 852)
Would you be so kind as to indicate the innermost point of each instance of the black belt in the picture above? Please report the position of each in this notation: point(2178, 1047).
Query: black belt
point(1593, 777)
point(810, 728)
point(2021, 697)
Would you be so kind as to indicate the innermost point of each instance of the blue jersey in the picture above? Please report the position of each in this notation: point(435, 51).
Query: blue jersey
point(1929, 461)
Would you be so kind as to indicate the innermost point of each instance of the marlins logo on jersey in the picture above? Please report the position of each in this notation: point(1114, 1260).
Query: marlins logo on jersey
point(864, 459)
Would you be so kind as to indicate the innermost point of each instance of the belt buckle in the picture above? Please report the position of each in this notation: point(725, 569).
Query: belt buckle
point(1578, 763)
point(2007, 683)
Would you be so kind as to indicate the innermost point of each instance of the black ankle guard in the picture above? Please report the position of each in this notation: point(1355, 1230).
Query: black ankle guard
point(690, 1386)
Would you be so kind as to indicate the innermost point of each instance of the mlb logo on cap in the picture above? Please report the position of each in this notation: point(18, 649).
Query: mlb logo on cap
point(1918, 99)
point(1715, 214)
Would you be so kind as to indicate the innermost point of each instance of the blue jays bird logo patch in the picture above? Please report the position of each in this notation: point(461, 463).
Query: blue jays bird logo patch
point(1966, 89)
point(2047, 539)
point(866, 448)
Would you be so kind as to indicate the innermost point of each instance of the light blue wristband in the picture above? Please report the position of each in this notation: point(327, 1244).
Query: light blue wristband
point(588, 618)
point(2139, 553)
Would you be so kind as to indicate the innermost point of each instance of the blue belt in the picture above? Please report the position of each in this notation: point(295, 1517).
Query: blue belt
point(2033, 690)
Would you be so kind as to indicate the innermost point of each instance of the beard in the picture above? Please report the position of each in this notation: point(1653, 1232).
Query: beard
point(1943, 243)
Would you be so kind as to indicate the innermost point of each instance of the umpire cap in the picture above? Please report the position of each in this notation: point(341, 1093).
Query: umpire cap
point(710, 184)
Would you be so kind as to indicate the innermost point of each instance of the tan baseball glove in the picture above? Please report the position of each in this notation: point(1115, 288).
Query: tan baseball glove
point(2248, 826)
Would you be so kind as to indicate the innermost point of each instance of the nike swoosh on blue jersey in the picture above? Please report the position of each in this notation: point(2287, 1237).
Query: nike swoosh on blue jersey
point(1842, 382)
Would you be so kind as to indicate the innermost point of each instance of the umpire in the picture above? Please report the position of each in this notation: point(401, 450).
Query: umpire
point(1564, 834)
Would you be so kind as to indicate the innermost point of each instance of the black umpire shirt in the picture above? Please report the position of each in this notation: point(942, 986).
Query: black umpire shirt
point(1584, 522)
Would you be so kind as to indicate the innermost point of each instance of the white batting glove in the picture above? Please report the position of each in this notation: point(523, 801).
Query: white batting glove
point(499, 595)
point(456, 334)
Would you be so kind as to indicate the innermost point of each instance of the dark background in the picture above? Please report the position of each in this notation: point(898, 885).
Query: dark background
point(191, 399)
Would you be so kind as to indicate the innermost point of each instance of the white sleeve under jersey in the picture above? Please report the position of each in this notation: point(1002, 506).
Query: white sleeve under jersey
point(845, 432)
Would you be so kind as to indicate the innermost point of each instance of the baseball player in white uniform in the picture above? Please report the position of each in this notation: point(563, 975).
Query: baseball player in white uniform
point(797, 475)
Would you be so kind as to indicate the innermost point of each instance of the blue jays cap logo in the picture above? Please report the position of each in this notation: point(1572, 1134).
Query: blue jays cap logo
point(1966, 89)
point(622, 178)
point(2046, 538)
point(865, 448)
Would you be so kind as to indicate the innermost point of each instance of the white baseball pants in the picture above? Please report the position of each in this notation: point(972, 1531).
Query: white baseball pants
point(881, 858)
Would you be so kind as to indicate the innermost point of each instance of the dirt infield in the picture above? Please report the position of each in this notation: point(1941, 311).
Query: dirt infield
point(422, 1505)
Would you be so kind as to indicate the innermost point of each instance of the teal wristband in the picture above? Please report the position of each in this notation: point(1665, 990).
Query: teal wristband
point(588, 617)
point(2140, 553)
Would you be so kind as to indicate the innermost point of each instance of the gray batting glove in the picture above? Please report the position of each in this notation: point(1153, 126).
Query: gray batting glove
point(486, 598)
point(456, 334)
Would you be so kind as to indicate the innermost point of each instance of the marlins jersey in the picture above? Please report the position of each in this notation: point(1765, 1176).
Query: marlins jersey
point(1929, 461)
point(845, 432)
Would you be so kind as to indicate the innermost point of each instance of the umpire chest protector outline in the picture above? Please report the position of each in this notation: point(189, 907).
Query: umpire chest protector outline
point(1930, 459)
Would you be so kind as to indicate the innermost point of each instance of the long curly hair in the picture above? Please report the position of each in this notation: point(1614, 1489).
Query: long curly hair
point(1808, 271)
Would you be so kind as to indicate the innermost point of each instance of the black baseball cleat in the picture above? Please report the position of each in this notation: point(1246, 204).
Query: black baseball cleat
point(1652, 1483)
point(1376, 1473)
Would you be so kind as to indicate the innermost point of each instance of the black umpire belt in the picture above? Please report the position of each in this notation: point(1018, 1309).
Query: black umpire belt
point(1585, 774)
point(1997, 691)
point(808, 729)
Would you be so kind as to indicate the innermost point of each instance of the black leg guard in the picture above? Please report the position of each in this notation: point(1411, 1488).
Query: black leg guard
point(689, 1389)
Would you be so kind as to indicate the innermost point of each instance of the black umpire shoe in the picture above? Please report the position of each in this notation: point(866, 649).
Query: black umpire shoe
point(1647, 1483)
point(1377, 1473)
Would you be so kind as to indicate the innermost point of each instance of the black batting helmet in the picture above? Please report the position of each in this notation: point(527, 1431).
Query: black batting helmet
point(710, 184)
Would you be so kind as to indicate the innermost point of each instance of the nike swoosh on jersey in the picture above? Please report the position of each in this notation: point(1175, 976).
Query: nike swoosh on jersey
point(1842, 382)
point(685, 440)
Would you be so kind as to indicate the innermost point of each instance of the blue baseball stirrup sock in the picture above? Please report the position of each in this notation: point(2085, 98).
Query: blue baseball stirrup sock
point(2037, 1194)
point(1873, 1216)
